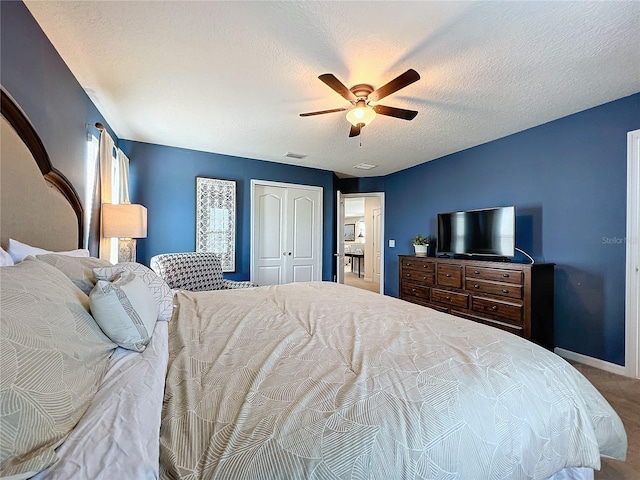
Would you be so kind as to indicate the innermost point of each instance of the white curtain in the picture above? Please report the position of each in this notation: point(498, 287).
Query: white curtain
point(114, 188)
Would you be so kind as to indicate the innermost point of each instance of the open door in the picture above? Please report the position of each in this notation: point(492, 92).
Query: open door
point(339, 255)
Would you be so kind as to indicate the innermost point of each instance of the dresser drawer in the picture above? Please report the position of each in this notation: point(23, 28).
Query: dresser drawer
point(515, 329)
point(494, 274)
point(449, 276)
point(417, 264)
point(509, 311)
point(447, 297)
point(417, 276)
point(410, 290)
point(509, 290)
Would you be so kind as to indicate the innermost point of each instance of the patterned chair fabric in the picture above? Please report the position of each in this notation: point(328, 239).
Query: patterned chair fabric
point(193, 271)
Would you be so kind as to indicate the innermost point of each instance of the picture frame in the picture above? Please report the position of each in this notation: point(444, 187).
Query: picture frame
point(216, 219)
point(349, 232)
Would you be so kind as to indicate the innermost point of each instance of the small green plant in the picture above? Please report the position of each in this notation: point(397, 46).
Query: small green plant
point(421, 240)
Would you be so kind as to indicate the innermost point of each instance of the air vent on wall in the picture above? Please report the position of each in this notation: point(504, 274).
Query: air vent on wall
point(297, 156)
point(364, 166)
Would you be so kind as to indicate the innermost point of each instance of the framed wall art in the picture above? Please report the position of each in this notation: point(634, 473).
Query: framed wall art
point(349, 232)
point(216, 219)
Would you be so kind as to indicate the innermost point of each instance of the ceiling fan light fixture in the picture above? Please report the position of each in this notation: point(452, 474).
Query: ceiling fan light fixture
point(361, 114)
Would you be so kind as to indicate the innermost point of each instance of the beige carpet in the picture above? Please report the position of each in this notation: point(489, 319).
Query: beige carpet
point(353, 280)
point(624, 396)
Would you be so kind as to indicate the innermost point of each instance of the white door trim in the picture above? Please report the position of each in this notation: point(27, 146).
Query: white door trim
point(379, 195)
point(632, 300)
point(339, 254)
point(318, 238)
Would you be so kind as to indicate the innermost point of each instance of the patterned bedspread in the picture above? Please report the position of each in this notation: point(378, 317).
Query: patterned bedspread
point(318, 381)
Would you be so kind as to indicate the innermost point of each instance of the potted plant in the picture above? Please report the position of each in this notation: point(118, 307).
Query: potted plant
point(420, 244)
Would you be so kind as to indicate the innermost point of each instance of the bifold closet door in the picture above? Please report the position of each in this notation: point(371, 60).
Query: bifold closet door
point(286, 233)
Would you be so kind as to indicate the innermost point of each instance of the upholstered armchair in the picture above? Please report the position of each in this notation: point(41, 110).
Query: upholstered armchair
point(193, 271)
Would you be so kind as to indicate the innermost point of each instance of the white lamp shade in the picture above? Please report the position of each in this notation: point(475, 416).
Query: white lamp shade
point(126, 220)
point(359, 115)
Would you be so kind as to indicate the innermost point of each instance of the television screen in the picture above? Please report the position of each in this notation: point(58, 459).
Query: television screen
point(489, 231)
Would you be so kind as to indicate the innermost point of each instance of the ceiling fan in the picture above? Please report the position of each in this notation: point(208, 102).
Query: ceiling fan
point(361, 96)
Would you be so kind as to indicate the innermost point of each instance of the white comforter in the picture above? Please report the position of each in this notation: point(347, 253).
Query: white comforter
point(117, 438)
point(320, 380)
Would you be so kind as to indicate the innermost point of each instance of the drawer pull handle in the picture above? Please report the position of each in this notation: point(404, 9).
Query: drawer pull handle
point(413, 290)
point(448, 299)
point(504, 290)
point(505, 275)
point(494, 308)
point(476, 286)
point(408, 275)
point(448, 275)
point(408, 264)
point(476, 272)
point(424, 266)
point(424, 278)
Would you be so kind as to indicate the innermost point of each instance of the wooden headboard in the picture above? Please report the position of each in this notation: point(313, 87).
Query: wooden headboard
point(38, 205)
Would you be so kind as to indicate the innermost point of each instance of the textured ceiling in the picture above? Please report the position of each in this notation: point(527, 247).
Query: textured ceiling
point(232, 77)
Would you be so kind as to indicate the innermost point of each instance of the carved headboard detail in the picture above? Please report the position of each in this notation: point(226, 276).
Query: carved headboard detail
point(38, 205)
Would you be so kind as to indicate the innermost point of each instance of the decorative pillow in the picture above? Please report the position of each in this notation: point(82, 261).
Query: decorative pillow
point(5, 258)
point(78, 269)
point(125, 310)
point(19, 251)
point(156, 285)
point(53, 357)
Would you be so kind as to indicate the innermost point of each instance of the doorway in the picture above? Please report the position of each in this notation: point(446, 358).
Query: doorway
point(360, 239)
point(632, 330)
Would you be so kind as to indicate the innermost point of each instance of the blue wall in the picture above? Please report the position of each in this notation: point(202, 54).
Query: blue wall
point(567, 179)
point(32, 72)
point(163, 179)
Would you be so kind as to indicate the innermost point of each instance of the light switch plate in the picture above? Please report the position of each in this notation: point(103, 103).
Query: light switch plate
point(392, 243)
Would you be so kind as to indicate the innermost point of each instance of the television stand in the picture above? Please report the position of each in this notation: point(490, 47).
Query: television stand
point(515, 297)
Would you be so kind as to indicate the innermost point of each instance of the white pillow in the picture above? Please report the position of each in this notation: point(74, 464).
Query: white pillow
point(156, 285)
point(5, 258)
point(19, 251)
point(125, 310)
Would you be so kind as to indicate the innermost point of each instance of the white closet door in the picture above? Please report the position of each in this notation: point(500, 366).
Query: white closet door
point(303, 231)
point(268, 240)
point(286, 233)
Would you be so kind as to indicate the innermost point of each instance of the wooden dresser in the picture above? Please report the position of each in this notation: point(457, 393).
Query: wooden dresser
point(514, 297)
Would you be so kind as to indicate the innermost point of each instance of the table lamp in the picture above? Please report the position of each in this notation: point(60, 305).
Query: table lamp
point(125, 221)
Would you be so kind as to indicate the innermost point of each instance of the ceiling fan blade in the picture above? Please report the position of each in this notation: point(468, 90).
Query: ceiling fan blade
point(309, 114)
point(338, 86)
point(355, 130)
point(407, 78)
point(395, 112)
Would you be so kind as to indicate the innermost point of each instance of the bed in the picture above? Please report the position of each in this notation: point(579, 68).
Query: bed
point(299, 381)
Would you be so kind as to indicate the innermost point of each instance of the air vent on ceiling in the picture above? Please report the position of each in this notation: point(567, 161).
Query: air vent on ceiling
point(294, 155)
point(364, 166)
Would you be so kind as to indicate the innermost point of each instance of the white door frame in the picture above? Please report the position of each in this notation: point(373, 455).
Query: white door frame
point(317, 240)
point(632, 300)
point(339, 254)
point(340, 215)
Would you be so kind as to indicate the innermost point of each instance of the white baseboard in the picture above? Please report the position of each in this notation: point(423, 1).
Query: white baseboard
point(592, 362)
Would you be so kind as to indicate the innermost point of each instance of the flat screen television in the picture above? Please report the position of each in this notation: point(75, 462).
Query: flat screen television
point(484, 232)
